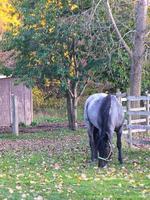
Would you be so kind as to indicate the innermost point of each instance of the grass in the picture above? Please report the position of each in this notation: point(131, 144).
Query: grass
point(53, 115)
point(64, 172)
point(50, 116)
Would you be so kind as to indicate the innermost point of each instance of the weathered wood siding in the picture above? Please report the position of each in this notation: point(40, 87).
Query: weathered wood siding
point(24, 98)
point(5, 113)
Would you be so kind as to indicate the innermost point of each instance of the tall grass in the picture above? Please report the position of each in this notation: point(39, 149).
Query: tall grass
point(58, 113)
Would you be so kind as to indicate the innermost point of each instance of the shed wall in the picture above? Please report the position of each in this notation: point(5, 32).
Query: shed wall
point(24, 98)
point(5, 114)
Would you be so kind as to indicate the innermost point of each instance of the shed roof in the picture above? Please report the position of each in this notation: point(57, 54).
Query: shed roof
point(2, 76)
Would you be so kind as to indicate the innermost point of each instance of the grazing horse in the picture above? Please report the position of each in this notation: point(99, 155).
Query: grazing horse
point(103, 114)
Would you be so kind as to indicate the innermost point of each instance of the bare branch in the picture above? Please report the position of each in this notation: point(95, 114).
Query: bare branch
point(93, 13)
point(131, 31)
point(83, 89)
point(116, 29)
point(69, 88)
point(72, 95)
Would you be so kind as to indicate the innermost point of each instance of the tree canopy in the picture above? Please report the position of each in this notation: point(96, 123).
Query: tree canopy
point(55, 37)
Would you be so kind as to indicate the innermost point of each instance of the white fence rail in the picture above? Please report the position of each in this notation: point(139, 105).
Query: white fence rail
point(138, 117)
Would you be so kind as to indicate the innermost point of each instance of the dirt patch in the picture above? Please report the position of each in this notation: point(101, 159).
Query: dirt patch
point(48, 144)
point(52, 146)
point(40, 128)
point(43, 144)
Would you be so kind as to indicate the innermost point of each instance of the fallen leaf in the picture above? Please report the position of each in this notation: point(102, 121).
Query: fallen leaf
point(39, 198)
point(83, 177)
point(148, 176)
point(56, 166)
point(10, 190)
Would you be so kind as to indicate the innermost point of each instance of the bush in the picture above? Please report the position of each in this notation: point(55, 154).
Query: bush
point(38, 97)
point(55, 102)
point(40, 101)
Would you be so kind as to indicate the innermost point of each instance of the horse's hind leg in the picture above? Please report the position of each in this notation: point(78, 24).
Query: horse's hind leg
point(92, 143)
point(119, 145)
point(96, 139)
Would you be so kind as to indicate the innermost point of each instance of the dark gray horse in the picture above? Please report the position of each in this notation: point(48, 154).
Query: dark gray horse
point(103, 115)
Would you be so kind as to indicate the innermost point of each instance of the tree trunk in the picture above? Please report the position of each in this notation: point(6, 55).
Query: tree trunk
point(72, 111)
point(138, 51)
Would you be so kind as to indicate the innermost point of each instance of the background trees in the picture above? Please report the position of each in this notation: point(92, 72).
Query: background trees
point(71, 43)
point(139, 47)
point(137, 54)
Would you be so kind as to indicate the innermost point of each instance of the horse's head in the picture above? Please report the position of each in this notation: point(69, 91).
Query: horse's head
point(105, 151)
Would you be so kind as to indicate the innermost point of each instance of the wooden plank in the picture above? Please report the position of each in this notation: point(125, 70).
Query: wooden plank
point(118, 95)
point(138, 109)
point(124, 99)
point(125, 132)
point(129, 122)
point(147, 127)
point(138, 121)
point(144, 113)
point(5, 102)
point(134, 98)
point(138, 130)
point(122, 95)
point(148, 109)
point(24, 103)
point(15, 124)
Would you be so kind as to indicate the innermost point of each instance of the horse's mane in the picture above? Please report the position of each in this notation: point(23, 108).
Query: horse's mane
point(104, 114)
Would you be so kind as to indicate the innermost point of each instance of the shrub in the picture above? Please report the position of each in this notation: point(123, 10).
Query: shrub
point(38, 97)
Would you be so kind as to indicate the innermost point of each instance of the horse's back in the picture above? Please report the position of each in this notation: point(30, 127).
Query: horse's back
point(91, 108)
point(116, 112)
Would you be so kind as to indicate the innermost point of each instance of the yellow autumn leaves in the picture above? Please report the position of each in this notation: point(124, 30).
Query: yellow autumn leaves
point(71, 59)
point(72, 5)
point(9, 18)
point(38, 97)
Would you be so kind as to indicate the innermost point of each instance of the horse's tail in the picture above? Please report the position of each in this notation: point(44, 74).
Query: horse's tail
point(104, 112)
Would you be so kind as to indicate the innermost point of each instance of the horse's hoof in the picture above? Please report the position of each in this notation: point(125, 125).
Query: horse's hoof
point(92, 161)
point(105, 167)
point(102, 166)
point(95, 160)
point(121, 162)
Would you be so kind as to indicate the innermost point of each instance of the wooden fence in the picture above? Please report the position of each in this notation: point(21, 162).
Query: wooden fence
point(137, 118)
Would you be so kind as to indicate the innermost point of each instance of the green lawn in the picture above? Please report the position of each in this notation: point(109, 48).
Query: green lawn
point(51, 115)
point(55, 165)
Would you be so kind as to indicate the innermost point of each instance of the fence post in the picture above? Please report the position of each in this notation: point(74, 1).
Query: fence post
point(15, 128)
point(147, 109)
point(118, 95)
point(129, 137)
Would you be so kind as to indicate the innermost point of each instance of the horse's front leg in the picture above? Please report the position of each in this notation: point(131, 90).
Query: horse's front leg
point(119, 145)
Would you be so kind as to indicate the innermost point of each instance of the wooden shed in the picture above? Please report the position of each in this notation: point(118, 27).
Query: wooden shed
point(24, 99)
